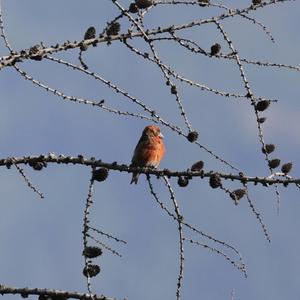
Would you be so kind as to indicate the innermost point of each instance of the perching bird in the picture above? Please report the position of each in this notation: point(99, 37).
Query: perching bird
point(149, 151)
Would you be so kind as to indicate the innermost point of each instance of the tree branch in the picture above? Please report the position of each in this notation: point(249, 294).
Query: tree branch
point(24, 292)
point(37, 52)
point(92, 162)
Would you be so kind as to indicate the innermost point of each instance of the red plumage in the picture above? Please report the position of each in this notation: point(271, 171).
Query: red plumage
point(149, 151)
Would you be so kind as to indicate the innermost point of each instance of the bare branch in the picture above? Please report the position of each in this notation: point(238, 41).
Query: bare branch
point(80, 160)
point(24, 292)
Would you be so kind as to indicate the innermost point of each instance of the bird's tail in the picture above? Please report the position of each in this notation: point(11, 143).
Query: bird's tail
point(135, 177)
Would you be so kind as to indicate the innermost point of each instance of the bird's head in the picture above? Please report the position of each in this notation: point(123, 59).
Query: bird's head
point(152, 131)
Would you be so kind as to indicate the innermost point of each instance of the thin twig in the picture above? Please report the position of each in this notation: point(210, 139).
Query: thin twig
point(181, 237)
point(104, 245)
point(192, 228)
point(27, 180)
point(88, 204)
point(108, 235)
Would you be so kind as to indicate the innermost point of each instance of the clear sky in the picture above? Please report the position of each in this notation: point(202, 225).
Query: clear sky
point(41, 241)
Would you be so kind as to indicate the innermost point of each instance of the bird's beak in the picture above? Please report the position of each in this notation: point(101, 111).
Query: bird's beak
point(161, 135)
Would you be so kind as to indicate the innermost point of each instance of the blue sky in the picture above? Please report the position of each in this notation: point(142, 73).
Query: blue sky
point(41, 241)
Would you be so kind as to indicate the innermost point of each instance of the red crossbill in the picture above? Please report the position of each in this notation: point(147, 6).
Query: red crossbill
point(149, 151)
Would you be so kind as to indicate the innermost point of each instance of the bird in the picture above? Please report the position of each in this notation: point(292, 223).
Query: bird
point(149, 150)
